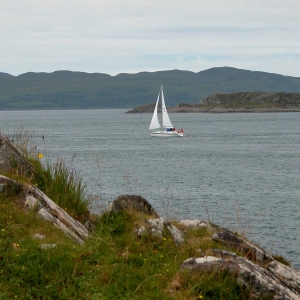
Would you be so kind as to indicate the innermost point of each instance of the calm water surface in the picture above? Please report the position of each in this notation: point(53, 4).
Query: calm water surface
point(238, 170)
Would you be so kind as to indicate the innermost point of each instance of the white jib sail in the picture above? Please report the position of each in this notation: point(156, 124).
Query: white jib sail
point(165, 117)
point(154, 122)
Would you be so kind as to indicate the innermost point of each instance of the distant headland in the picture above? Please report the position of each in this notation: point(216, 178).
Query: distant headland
point(235, 102)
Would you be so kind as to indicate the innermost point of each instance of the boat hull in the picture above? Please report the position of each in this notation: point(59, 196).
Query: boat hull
point(166, 134)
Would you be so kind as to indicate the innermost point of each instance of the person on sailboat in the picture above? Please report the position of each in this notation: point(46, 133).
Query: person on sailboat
point(180, 130)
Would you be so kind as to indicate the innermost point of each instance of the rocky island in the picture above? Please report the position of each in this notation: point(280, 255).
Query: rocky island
point(235, 102)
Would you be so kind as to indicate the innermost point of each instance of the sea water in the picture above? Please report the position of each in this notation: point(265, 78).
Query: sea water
point(238, 170)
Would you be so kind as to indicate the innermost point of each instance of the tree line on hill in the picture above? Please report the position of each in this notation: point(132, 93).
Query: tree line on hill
point(79, 90)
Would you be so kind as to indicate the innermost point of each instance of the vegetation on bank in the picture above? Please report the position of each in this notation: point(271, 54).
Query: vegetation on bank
point(113, 263)
point(58, 181)
point(252, 100)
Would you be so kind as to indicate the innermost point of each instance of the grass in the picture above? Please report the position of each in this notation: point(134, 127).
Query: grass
point(113, 264)
point(64, 186)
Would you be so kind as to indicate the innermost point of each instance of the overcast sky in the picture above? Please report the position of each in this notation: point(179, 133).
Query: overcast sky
point(130, 36)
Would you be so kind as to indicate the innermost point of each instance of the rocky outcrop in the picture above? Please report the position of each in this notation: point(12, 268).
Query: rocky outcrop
point(251, 251)
point(131, 202)
point(30, 197)
point(155, 226)
point(254, 268)
point(195, 224)
point(261, 282)
point(159, 227)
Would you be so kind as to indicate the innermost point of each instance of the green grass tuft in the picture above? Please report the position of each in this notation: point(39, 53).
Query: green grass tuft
point(63, 186)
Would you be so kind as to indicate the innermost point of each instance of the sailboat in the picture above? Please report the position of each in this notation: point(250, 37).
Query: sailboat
point(167, 130)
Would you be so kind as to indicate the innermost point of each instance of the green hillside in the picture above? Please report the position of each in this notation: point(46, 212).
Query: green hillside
point(79, 90)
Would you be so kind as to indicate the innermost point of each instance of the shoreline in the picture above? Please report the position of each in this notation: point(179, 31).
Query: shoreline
point(217, 110)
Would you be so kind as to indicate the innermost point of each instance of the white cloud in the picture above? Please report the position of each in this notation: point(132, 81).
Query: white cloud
point(130, 36)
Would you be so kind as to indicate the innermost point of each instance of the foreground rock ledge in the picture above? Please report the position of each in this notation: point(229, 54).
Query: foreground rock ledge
point(256, 270)
point(30, 197)
point(262, 282)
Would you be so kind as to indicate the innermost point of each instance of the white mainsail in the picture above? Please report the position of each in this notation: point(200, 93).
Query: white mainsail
point(167, 130)
point(165, 117)
point(154, 122)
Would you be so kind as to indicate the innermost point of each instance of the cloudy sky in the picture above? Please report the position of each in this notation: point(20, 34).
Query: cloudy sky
point(130, 36)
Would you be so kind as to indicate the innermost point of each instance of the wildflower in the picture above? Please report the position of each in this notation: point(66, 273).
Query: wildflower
point(164, 239)
point(167, 270)
point(140, 254)
point(145, 259)
point(2, 229)
point(40, 155)
point(161, 255)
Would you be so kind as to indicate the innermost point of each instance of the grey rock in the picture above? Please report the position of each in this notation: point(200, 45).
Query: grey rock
point(2, 188)
point(158, 226)
point(131, 202)
point(253, 252)
point(290, 276)
point(142, 231)
point(56, 222)
point(39, 236)
point(11, 187)
point(222, 253)
point(88, 225)
point(195, 224)
point(156, 233)
point(176, 234)
point(30, 202)
point(48, 246)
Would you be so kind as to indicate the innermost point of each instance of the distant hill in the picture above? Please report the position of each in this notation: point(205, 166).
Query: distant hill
point(5, 75)
point(79, 90)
